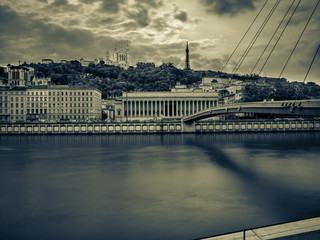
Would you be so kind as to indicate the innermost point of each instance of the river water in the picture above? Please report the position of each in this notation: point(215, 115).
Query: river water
point(155, 186)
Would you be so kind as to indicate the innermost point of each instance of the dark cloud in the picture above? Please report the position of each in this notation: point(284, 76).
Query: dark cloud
point(182, 16)
point(140, 16)
point(222, 7)
point(200, 62)
point(32, 39)
point(159, 53)
point(111, 6)
point(61, 6)
point(160, 24)
point(107, 6)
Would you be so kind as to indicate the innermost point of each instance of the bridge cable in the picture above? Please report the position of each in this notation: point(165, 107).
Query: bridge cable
point(299, 37)
point(244, 55)
point(314, 57)
point(244, 35)
point(253, 40)
point(272, 36)
point(283, 30)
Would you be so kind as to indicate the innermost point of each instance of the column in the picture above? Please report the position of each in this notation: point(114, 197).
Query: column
point(167, 108)
point(177, 109)
point(137, 108)
point(152, 108)
point(142, 108)
point(131, 109)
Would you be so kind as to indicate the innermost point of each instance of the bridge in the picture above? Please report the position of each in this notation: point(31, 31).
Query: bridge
point(308, 108)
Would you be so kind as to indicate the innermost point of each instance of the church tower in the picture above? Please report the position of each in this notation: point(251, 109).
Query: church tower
point(187, 57)
point(119, 56)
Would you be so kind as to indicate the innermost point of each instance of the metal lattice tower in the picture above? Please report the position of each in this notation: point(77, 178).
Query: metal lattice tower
point(187, 58)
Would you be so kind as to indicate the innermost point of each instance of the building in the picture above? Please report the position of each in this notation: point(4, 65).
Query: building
point(47, 61)
point(62, 102)
point(162, 105)
point(119, 56)
point(54, 103)
point(29, 98)
point(19, 76)
point(85, 63)
point(12, 104)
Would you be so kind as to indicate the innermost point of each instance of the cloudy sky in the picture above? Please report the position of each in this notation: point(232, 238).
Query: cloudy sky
point(157, 31)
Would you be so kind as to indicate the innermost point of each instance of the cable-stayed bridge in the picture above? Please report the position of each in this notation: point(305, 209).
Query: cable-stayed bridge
point(304, 108)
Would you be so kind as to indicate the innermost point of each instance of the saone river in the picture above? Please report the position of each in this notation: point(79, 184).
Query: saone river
point(155, 186)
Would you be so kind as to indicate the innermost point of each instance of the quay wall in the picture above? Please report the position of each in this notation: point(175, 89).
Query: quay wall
point(158, 127)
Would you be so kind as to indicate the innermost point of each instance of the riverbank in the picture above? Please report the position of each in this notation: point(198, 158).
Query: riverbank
point(307, 229)
point(161, 127)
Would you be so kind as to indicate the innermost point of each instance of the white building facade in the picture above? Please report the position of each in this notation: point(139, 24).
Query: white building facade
point(162, 105)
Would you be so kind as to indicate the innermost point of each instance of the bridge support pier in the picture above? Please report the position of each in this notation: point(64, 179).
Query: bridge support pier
point(188, 127)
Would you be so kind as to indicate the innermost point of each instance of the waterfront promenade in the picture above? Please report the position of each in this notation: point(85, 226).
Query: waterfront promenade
point(308, 229)
point(221, 126)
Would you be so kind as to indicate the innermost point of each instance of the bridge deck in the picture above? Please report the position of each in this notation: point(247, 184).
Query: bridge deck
point(287, 107)
point(304, 229)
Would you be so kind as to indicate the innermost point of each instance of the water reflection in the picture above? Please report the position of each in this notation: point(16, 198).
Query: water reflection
point(154, 186)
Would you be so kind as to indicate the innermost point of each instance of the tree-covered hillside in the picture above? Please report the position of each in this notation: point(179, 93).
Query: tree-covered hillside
point(112, 80)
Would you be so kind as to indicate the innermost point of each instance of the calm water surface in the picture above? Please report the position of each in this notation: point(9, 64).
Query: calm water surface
point(155, 186)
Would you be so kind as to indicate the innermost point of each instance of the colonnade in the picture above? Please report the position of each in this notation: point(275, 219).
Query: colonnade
point(166, 108)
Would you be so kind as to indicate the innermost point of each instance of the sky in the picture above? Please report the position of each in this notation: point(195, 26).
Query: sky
point(157, 31)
